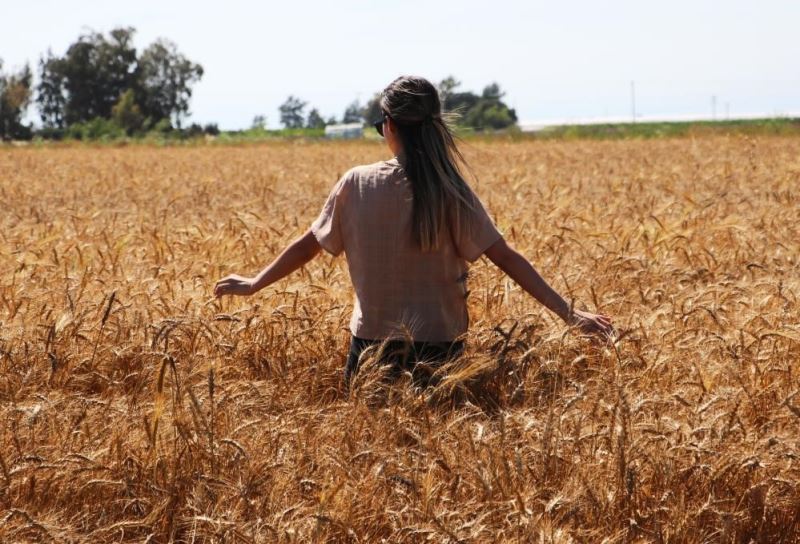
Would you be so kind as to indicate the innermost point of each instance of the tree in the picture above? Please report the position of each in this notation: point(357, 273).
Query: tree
point(491, 111)
point(480, 112)
point(50, 93)
point(315, 120)
point(127, 114)
point(259, 122)
point(166, 79)
point(89, 79)
point(353, 113)
point(446, 88)
point(96, 71)
point(15, 95)
point(490, 114)
point(195, 130)
point(461, 103)
point(372, 111)
point(492, 92)
point(292, 112)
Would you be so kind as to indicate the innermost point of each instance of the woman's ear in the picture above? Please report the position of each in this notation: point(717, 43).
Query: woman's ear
point(389, 126)
point(391, 135)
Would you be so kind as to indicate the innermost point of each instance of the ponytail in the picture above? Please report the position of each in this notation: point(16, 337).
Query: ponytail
point(441, 196)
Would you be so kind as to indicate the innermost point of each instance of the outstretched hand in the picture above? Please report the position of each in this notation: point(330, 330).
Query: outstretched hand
point(589, 323)
point(234, 285)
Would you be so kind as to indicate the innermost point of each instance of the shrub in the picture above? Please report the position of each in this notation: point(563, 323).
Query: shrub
point(96, 129)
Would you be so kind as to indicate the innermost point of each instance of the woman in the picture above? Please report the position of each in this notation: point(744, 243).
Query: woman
point(408, 227)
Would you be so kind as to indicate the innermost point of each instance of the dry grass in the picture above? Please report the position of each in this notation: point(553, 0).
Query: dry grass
point(134, 407)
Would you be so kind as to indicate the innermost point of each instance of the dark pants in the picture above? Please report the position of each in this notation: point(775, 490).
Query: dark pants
point(402, 356)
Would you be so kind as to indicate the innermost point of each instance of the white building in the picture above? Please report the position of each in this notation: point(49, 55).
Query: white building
point(349, 130)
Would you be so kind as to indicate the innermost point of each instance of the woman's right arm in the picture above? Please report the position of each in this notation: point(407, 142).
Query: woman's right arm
point(522, 271)
point(293, 257)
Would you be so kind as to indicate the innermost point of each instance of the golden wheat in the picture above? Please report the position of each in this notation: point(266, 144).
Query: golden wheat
point(136, 407)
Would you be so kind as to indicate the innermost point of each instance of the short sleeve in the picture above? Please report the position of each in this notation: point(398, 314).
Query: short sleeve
point(479, 235)
point(327, 227)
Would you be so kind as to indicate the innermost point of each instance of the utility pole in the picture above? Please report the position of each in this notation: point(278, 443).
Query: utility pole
point(633, 101)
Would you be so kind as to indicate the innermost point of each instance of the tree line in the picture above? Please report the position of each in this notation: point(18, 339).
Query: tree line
point(103, 87)
point(477, 111)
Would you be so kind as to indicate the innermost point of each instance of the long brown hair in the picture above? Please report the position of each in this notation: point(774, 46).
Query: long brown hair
point(431, 160)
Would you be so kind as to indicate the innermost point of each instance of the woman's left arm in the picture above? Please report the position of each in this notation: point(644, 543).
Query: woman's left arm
point(522, 271)
point(293, 257)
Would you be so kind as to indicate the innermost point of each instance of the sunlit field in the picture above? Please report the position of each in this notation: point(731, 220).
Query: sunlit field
point(136, 407)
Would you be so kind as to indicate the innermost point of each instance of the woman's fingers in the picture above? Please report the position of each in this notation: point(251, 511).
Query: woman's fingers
point(233, 285)
point(594, 324)
point(597, 325)
point(218, 289)
point(223, 286)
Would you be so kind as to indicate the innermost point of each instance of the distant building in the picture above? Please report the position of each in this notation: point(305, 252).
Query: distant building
point(348, 130)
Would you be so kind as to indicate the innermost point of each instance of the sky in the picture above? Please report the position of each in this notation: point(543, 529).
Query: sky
point(555, 59)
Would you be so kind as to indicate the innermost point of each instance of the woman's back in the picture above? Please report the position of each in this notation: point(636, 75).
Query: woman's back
point(408, 226)
point(399, 288)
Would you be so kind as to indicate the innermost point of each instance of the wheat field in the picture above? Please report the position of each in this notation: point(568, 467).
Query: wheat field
point(135, 407)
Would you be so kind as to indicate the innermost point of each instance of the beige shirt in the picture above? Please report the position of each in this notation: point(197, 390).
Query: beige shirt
point(398, 287)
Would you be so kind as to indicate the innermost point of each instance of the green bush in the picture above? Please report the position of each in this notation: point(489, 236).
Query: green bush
point(164, 126)
point(96, 129)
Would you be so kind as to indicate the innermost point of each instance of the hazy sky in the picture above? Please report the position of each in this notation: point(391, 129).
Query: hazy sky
point(555, 59)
